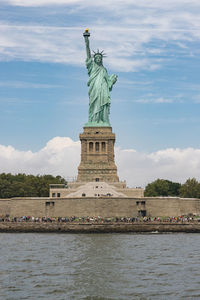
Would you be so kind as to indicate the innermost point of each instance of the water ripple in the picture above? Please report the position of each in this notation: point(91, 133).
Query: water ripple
point(99, 267)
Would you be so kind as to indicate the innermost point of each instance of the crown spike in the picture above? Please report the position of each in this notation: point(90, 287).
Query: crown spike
point(99, 53)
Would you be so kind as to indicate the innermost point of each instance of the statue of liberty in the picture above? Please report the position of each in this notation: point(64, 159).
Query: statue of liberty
point(100, 85)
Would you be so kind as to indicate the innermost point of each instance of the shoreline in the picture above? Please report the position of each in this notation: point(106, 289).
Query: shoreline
point(28, 227)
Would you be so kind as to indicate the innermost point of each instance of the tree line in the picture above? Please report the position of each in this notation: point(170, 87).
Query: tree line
point(162, 187)
point(22, 185)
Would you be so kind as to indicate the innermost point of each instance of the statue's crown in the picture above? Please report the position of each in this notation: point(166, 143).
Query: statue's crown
point(99, 53)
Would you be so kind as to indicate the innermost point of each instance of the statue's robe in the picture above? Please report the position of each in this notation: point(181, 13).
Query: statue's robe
point(100, 85)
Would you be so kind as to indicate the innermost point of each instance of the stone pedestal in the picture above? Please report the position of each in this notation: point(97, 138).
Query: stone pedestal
point(97, 155)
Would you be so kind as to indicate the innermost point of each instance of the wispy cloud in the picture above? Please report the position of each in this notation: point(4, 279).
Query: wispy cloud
point(127, 30)
point(40, 2)
point(156, 101)
point(108, 3)
point(75, 102)
point(128, 82)
point(19, 101)
point(197, 99)
point(65, 45)
point(28, 85)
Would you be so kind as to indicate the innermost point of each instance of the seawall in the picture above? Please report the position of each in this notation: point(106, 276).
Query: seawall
point(98, 228)
point(99, 206)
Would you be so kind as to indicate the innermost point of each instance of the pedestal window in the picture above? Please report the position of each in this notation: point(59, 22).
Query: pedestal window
point(97, 146)
point(103, 147)
point(90, 147)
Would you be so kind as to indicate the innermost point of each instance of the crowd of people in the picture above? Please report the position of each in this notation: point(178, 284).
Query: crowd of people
point(101, 220)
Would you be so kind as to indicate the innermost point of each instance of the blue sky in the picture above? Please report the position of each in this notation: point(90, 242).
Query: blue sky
point(154, 48)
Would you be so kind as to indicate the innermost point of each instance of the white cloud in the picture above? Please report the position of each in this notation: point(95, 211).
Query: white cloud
point(157, 100)
point(109, 3)
point(140, 169)
point(138, 31)
point(61, 156)
point(40, 2)
point(66, 45)
point(39, 43)
point(27, 85)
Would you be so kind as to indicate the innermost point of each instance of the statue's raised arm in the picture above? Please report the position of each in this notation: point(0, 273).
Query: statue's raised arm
point(86, 35)
point(100, 86)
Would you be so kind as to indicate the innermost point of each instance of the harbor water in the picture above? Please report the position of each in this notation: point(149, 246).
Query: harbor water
point(99, 266)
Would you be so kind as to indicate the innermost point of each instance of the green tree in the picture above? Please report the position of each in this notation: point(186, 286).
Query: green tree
point(22, 185)
point(190, 189)
point(162, 187)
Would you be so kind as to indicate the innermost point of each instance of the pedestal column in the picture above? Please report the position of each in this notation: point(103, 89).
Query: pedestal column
point(97, 155)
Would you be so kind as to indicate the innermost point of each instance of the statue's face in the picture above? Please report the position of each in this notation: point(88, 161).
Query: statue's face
point(98, 59)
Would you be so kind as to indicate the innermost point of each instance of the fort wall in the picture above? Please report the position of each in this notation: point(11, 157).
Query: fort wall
point(5, 207)
point(104, 207)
